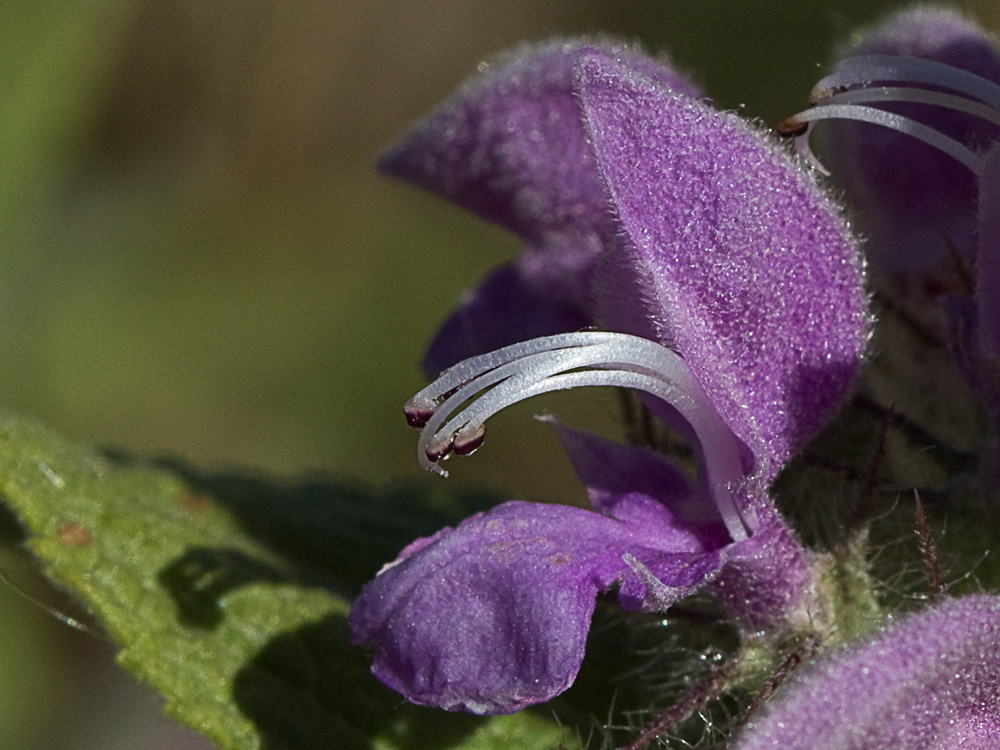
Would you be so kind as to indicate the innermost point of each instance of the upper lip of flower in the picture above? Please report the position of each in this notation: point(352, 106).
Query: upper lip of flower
point(929, 73)
point(510, 146)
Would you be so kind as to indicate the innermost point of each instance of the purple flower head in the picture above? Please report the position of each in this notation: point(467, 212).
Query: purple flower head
point(916, 204)
point(961, 169)
point(510, 147)
point(930, 681)
point(735, 302)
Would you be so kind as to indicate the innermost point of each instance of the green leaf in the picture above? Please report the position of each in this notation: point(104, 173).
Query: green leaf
point(230, 594)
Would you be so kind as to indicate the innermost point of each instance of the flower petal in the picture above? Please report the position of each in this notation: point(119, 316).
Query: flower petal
point(767, 581)
point(741, 262)
point(510, 146)
point(766, 577)
point(493, 616)
point(928, 682)
point(974, 325)
point(641, 486)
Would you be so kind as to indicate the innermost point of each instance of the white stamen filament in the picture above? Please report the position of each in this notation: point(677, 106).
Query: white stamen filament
point(835, 100)
point(918, 96)
point(863, 70)
point(461, 373)
point(887, 119)
point(494, 381)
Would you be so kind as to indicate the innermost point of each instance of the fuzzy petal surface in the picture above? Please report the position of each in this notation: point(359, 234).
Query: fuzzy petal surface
point(492, 616)
point(767, 580)
point(930, 681)
point(510, 146)
point(738, 259)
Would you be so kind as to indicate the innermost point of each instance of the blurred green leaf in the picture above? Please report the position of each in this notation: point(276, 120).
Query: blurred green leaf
point(230, 594)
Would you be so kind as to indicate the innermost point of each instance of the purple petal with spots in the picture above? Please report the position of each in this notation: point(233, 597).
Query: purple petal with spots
point(928, 682)
point(641, 486)
point(492, 616)
point(915, 204)
point(742, 263)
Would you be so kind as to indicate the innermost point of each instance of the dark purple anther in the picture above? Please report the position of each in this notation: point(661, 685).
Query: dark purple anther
point(418, 417)
point(791, 128)
point(463, 445)
point(439, 449)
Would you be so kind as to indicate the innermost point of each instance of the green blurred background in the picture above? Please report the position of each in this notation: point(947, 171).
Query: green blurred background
point(197, 259)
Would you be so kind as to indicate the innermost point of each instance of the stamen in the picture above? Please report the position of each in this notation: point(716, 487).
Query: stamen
point(875, 116)
point(513, 378)
point(836, 99)
point(417, 416)
point(917, 96)
point(461, 373)
point(494, 381)
point(863, 70)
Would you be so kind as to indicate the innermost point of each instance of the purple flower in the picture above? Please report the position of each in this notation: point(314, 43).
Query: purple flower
point(916, 204)
point(938, 137)
point(930, 681)
point(735, 296)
